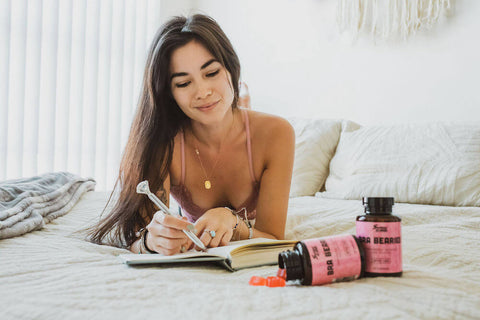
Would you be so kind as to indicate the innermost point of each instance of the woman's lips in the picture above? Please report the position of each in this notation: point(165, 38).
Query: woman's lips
point(208, 106)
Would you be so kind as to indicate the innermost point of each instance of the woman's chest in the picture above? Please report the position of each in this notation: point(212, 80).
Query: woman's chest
point(214, 179)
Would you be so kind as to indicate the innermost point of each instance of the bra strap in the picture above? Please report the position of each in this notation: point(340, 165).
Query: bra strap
point(249, 145)
point(182, 139)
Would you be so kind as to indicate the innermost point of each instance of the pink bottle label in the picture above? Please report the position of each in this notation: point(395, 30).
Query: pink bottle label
point(382, 243)
point(334, 259)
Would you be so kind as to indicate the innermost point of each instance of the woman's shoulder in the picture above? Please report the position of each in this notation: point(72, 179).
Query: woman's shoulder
point(273, 137)
point(270, 128)
point(267, 125)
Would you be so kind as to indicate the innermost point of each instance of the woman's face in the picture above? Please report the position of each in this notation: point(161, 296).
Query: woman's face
point(200, 85)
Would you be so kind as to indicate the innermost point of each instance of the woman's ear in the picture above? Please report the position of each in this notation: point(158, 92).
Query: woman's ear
point(244, 96)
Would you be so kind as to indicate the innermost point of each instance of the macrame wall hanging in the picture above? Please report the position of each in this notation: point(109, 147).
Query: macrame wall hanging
point(388, 19)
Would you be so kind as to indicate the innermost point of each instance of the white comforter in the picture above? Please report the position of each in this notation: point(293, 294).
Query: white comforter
point(54, 274)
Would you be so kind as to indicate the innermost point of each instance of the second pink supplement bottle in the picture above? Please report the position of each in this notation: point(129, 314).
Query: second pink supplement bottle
point(380, 234)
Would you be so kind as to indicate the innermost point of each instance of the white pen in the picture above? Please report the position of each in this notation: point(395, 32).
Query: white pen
point(143, 187)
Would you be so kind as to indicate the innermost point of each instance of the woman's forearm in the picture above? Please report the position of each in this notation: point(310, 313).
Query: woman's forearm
point(243, 232)
point(261, 234)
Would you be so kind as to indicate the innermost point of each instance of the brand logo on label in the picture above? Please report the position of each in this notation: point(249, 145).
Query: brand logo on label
point(379, 229)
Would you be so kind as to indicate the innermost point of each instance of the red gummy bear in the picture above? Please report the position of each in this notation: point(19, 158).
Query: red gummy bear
point(257, 281)
point(282, 273)
point(275, 282)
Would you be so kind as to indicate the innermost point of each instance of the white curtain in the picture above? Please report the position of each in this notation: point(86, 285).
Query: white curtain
point(70, 76)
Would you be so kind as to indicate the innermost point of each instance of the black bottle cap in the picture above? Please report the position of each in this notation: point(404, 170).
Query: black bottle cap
point(292, 263)
point(378, 205)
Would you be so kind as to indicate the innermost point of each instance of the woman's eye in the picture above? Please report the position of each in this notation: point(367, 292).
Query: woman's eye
point(182, 85)
point(213, 74)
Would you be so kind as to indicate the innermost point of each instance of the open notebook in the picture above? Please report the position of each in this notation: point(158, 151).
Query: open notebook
point(237, 255)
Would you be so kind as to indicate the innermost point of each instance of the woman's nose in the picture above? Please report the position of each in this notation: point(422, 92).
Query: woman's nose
point(203, 91)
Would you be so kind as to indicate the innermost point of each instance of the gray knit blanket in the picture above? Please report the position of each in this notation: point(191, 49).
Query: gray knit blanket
point(28, 204)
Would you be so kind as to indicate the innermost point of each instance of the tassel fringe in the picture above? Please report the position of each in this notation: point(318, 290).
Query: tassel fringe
point(390, 18)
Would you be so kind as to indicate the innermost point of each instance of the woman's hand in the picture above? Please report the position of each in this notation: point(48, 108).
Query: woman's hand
point(215, 227)
point(165, 234)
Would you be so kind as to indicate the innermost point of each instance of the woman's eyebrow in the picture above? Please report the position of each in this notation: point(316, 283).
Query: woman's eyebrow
point(181, 74)
point(206, 64)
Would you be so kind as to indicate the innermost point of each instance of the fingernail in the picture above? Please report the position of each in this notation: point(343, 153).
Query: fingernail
point(191, 228)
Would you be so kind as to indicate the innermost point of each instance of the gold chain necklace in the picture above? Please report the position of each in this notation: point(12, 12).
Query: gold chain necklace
point(208, 183)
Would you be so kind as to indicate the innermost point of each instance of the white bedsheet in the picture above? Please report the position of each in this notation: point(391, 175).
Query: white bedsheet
point(53, 274)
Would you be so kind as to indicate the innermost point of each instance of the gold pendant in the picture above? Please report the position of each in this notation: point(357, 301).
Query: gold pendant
point(208, 184)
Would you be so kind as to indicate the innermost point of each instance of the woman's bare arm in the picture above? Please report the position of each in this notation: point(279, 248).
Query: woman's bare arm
point(272, 203)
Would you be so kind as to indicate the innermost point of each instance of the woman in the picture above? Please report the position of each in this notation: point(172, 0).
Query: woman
point(227, 167)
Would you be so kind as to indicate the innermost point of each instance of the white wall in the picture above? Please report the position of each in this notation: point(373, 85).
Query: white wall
point(296, 63)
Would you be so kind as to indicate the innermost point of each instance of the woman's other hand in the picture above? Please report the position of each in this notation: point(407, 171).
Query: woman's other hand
point(215, 227)
point(165, 234)
point(244, 96)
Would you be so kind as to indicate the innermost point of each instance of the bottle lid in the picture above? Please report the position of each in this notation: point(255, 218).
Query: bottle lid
point(378, 205)
point(292, 263)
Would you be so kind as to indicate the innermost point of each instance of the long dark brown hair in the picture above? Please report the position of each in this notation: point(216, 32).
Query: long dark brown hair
point(158, 119)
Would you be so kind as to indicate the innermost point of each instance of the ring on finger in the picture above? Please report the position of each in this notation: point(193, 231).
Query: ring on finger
point(212, 233)
point(183, 249)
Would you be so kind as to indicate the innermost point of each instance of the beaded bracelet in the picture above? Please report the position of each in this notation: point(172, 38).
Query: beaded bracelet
point(250, 229)
point(246, 221)
point(233, 212)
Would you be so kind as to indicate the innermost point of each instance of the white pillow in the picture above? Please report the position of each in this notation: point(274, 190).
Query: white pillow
point(315, 143)
point(435, 163)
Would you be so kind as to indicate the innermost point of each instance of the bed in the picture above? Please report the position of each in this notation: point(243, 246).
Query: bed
point(53, 273)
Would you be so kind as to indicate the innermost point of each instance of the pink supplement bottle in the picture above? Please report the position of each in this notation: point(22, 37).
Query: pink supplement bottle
point(380, 234)
point(323, 260)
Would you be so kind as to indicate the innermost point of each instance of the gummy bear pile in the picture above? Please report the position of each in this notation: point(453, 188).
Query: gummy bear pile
point(278, 281)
